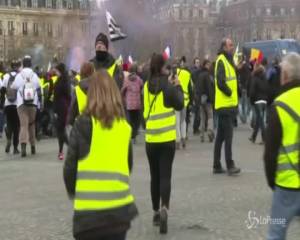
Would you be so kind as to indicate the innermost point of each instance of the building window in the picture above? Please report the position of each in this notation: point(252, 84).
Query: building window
point(1, 28)
point(258, 11)
point(83, 27)
point(49, 30)
point(29, 3)
point(36, 29)
point(282, 12)
point(268, 11)
point(24, 28)
point(64, 3)
point(293, 11)
point(201, 14)
point(180, 14)
point(60, 31)
point(41, 3)
point(10, 28)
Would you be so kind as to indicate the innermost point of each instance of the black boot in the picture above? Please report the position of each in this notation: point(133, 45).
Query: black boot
point(23, 150)
point(7, 148)
point(33, 150)
point(16, 150)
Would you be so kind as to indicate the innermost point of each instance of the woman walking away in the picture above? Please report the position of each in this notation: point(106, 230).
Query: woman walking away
point(131, 91)
point(258, 98)
point(9, 99)
point(96, 176)
point(61, 102)
point(162, 96)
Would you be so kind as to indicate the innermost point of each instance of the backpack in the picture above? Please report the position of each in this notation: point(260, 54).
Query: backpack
point(11, 94)
point(29, 91)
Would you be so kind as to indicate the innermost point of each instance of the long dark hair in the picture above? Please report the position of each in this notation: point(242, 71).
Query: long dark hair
point(61, 67)
point(156, 64)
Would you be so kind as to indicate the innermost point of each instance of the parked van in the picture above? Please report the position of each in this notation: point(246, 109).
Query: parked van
point(272, 48)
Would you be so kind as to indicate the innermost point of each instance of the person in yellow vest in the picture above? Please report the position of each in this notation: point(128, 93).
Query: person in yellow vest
point(282, 150)
point(104, 59)
point(96, 176)
point(79, 99)
point(162, 96)
point(226, 105)
point(184, 77)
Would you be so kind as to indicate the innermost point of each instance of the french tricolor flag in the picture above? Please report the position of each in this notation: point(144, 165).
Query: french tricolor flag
point(167, 53)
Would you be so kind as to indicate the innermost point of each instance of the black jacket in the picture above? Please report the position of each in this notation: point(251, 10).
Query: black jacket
point(107, 63)
point(97, 222)
point(273, 138)
point(274, 83)
point(62, 97)
point(259, 86)
point(173, 95)
point(205, 85)
point(222, 85)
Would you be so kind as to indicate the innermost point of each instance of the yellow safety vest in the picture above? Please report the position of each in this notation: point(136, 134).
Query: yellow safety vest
point(160, 120)
point(288, 168)
point(102, 181)
point(77, 77)
point(222, 100)
point(81, 96)
point(54, 80)
point(184, 77)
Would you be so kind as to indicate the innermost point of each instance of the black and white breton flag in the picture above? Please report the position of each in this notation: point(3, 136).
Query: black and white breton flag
point(114, 29)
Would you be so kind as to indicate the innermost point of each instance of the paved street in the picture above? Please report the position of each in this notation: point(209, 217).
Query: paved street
point(34, 204)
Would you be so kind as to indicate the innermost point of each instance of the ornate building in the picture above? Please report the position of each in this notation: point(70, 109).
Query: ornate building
point(42, 28)
point(248, 20)
point(185, 26)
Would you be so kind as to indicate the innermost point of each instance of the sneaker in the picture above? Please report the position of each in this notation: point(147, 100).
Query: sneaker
point(33, 150)
point(61, 156)
point(163, 221)
point(156, 219)
point(251, 139)
point(219, 171)
point(233, 171)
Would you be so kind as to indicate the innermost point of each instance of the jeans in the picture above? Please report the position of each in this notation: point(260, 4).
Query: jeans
point(160, 157)
point(181, 125)
point(197, 119)
point(207, 121)
point(243, 109)
point(285, 206)
point(260, 112)
point(224, 134)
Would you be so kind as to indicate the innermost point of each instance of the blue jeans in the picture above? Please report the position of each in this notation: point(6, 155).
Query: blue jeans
point(286, 205)
point(244, 107)
point(260, 112)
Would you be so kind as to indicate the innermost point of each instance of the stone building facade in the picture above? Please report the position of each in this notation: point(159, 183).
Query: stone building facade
point(249, 20)
point(185, 26)
point(42, 28)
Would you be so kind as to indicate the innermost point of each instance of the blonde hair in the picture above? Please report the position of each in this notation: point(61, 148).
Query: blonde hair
point(104, 99)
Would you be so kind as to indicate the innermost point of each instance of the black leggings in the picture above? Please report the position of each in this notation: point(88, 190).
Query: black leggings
point(160, 157)
point(134, 120)
point(13, 124)
point(61, 133)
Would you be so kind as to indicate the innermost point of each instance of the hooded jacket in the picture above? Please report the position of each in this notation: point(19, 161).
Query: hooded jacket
point(259, 85)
